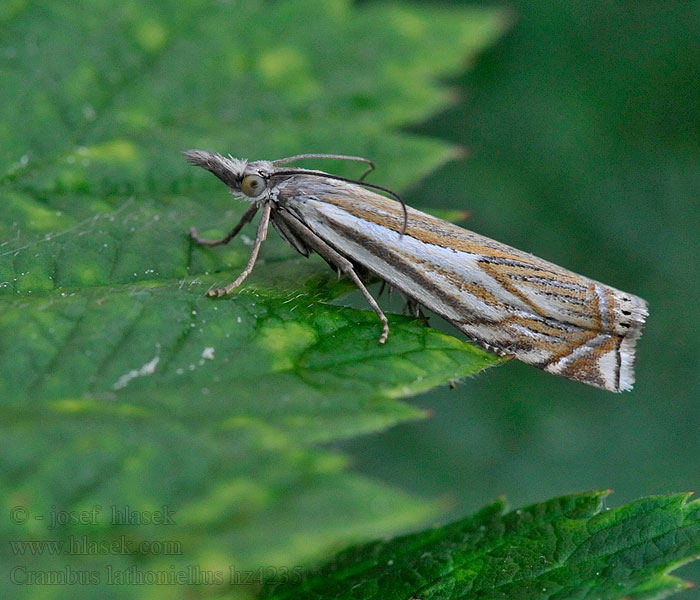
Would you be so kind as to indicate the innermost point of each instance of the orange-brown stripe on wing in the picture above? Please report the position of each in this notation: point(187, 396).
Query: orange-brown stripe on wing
point(422, 227)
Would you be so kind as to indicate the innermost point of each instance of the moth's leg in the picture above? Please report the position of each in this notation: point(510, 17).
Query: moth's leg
point(411, 307)
point(259, 239)
point(332, 256)
point(246, 218)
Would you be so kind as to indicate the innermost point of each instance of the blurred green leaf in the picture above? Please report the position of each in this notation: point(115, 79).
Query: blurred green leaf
point(568, 547)
point(123, 386)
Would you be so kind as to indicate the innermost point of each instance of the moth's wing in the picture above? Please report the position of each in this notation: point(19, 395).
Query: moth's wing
point(504, 299)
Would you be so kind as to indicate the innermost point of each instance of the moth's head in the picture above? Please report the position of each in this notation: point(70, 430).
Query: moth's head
point(244, 179)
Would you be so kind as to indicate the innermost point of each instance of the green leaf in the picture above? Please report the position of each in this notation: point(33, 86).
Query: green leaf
point(568, 547)
point(123, 385)
point(264, 354)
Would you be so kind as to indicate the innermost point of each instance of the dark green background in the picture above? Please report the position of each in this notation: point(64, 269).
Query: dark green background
point(582, 128)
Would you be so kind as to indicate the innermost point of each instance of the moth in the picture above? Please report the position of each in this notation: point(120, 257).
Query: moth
point(507, 301)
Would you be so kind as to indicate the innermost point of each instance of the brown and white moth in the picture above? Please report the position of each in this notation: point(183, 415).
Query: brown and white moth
point(509, 302)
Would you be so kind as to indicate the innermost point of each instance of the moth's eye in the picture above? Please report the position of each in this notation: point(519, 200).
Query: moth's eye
point(252, 185)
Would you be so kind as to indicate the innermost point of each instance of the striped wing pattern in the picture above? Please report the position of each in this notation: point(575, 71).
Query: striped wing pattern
point(506, 300)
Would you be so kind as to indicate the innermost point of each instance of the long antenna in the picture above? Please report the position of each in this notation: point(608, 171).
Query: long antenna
point(296, 157)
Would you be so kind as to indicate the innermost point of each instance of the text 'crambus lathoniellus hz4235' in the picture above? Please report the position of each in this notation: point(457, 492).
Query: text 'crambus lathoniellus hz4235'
point(507, 301)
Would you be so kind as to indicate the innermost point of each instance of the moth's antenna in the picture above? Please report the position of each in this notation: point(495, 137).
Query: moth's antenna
point(357, 182)
point(296, 157)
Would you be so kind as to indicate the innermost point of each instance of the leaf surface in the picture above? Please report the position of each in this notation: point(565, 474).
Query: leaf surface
point(568, 547)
